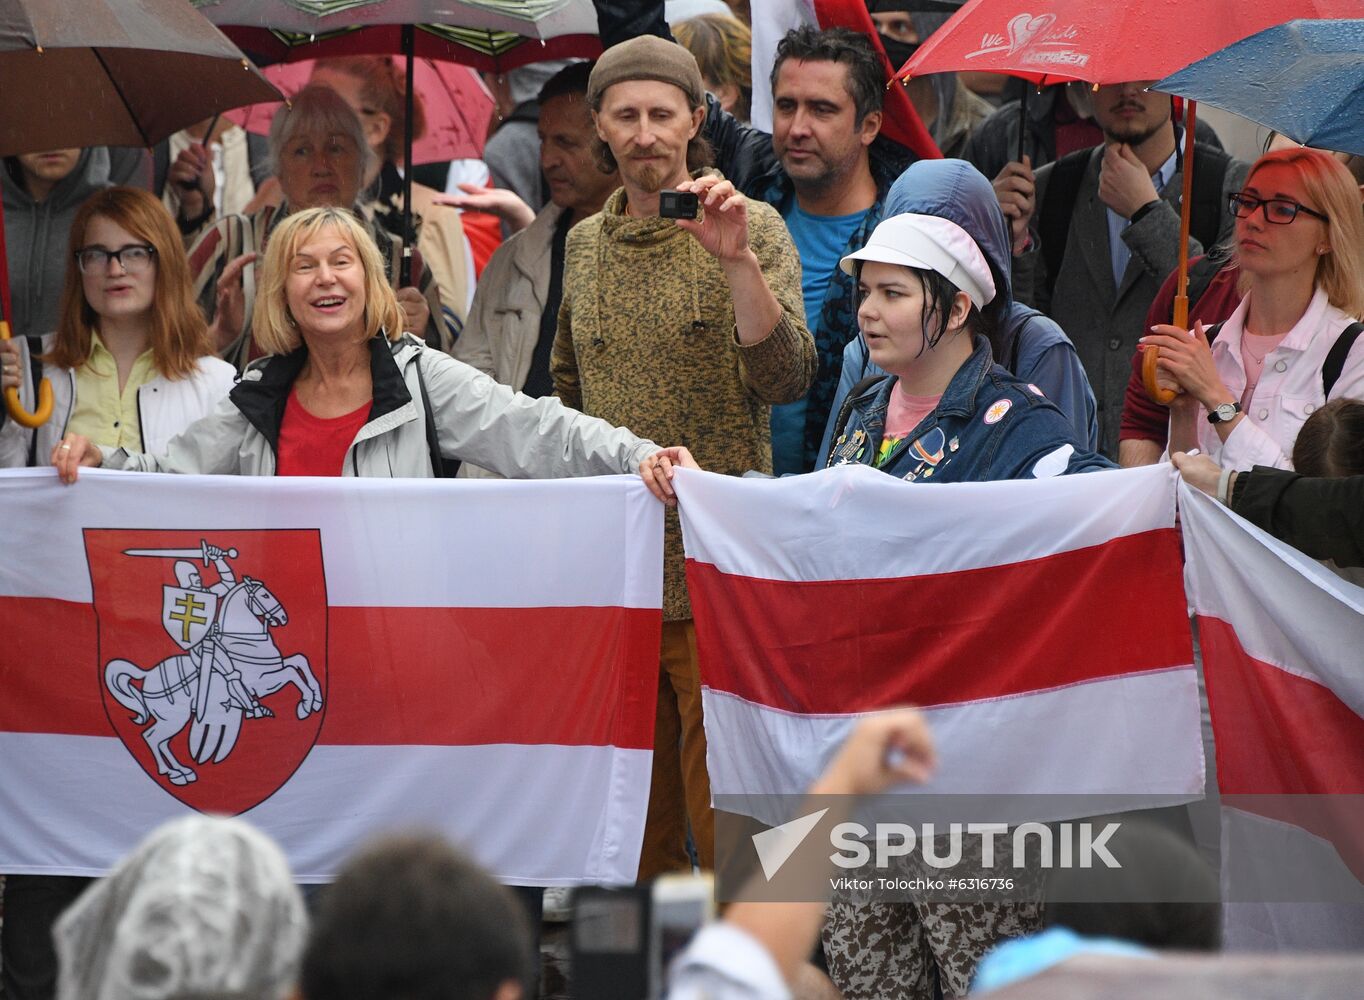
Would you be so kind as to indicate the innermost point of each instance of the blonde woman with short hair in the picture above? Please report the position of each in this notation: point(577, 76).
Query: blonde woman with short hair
point(344, 392)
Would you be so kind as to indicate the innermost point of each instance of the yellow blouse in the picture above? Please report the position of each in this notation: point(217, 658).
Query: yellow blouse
point(102, 413)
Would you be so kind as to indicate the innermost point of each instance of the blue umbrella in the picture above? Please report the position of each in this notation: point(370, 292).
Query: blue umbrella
point(1304, 79)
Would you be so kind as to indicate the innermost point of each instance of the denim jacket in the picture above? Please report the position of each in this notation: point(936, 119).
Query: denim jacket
point(988, 425)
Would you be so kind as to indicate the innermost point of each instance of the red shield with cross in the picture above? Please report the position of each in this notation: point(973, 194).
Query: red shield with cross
point(212, 657)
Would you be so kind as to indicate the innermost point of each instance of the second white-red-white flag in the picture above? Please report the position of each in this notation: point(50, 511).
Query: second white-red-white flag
point(1041, 625)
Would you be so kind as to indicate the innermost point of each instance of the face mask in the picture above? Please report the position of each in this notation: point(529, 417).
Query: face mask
point(898, 52)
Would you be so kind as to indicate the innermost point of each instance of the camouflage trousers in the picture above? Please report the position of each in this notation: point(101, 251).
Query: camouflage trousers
point(877, 949)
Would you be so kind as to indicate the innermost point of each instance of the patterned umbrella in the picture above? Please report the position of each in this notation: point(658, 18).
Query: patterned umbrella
point(493, 35)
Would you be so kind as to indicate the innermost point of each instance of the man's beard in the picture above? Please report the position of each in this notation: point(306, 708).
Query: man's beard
point(648, 178)
point(1133, 134)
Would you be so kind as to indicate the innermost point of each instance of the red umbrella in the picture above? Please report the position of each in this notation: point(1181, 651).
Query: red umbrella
point(1063, 40)
point(456, 104)
point(1054, 41)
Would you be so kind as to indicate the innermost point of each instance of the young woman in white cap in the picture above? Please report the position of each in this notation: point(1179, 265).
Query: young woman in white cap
point(946, 412)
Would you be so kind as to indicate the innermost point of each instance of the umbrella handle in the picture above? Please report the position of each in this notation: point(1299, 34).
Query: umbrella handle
point(1155, 390)
point(16, 409)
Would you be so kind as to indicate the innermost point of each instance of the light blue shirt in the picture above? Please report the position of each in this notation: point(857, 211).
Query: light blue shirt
point(1119, 252)
point(821, 240)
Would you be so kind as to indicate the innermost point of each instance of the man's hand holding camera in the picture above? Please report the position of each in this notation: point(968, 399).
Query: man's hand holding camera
point(723, 226)
point(723, 232)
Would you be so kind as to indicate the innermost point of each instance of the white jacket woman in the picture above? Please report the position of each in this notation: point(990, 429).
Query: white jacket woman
point(165, 406)
point(1300, 247)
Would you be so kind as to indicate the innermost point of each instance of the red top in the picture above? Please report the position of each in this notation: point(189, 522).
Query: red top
point(315, 446)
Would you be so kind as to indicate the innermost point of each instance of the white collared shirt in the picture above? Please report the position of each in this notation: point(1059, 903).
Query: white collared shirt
point(1289, 390)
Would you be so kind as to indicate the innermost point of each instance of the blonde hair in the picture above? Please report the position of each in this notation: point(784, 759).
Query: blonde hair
point(271, 322)
point(1333, 190)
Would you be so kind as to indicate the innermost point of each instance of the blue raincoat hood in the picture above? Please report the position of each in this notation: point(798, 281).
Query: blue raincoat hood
point(955, 190)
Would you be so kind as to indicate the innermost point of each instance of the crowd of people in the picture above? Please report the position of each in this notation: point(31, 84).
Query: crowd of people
point(234, 304)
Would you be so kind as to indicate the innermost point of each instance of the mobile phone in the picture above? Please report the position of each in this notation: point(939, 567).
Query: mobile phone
point(678, 204)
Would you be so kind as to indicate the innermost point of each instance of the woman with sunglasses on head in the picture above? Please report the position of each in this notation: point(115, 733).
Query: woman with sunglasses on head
point(130, 363)
point(1293, 342)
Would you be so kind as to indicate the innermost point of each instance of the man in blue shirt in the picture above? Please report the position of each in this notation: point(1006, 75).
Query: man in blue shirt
point(826, 113)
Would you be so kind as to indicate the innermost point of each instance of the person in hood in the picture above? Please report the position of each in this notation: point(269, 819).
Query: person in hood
point(41, 193)
point(1025, 342)
point(944, 411)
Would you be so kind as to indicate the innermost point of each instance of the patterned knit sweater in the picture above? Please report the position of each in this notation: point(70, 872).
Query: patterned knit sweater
point(647, 341)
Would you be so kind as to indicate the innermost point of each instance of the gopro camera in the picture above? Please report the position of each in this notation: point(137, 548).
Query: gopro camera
point(678, 205)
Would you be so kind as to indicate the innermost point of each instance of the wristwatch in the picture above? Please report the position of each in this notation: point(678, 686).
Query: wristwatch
point(1223, 412)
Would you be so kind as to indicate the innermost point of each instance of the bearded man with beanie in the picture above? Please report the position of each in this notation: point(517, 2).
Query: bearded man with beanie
point(690, 329)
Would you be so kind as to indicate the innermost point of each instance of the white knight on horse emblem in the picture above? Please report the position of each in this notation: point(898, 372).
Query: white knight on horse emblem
point(228, 662)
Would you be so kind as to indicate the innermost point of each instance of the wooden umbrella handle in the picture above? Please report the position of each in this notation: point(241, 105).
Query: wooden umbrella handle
point(16, 409)
point(1154, 389)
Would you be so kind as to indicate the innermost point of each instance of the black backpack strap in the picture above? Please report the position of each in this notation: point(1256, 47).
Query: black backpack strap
point(1058, 205)
point(1335, 360)
point(1208, 209)
point(432, 441)
point(845, 410)
point(35, 371)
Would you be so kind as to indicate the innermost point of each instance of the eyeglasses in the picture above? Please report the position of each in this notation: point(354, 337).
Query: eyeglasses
point(1280, 211)
point(134, 258)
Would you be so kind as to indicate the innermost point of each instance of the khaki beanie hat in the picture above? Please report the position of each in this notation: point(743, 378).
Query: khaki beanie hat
point(647, 57)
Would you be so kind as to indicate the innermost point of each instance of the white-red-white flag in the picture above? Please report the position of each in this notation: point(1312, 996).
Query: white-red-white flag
point(1283, 655)
point(331, 658)
point(1042, 625)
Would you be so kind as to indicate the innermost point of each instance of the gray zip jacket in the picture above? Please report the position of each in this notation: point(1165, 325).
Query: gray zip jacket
point(473, 418)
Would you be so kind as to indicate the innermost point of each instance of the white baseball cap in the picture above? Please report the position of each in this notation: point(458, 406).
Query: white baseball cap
point(929, 243)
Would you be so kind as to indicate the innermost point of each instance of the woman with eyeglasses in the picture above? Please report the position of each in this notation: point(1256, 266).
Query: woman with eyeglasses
point(130, 362)
point(1293, 343)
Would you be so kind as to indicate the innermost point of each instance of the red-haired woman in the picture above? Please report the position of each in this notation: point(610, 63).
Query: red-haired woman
point(129, 362)
point(1288, 347)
